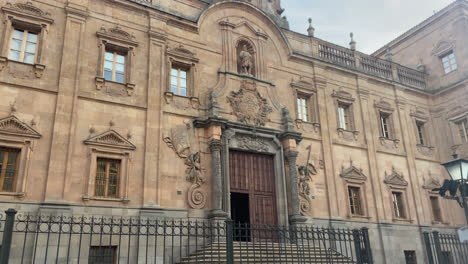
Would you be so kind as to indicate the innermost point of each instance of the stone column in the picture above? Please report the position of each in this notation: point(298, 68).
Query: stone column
point(295, 216)
point(217, 181)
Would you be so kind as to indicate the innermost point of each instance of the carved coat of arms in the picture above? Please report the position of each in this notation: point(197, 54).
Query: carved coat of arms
point(249, 106)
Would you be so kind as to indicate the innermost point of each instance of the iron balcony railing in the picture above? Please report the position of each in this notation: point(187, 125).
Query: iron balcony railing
point(34, 238)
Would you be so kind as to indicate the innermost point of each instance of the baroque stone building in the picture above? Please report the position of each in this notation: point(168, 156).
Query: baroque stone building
point(215, 109)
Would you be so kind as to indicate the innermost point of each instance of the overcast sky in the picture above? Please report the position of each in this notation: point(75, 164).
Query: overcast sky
point(373, 22)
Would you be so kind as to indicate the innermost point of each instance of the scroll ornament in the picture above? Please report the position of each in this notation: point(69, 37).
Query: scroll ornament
point(305, 173)
point(178, 140)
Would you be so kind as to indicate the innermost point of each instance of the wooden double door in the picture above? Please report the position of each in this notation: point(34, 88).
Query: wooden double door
point(253, 192)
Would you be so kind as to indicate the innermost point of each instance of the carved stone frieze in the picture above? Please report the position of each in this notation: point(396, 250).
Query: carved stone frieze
point(252, 143)
point(178, 140)
point(395, 178)
point(110, 138)
point(249, 106)
point(12, 125)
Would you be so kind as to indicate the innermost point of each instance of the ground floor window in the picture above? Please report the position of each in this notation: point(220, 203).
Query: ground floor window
point(8, 168)
point(410, 257)
point(102, 255)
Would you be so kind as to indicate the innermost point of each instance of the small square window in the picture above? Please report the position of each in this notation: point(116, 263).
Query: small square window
point(398, 205)
point(449, 62)
point(107, 178)
point(410, 257)
point(102, 255)
point(114, 66)
point(178, 80)
point(355, 203)
point(303, 108)
point(9, 159)
point(23, 46)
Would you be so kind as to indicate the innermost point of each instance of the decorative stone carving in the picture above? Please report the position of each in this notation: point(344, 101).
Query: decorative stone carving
point(13, 126)
point(353, 173)
point(395, 178)
point(431, 183)
point(343, 96)
point(442, 47)
point(178, 140)
point(119, 33)
point(307, 127)
point(249, 106)
point(28, 8)
point(348, 135)
point(419, 114)
point(305, 173)
point(180, 52)
point(245, 61)
point(252, 143)
point(110, 138)
point(427, 151)
point(389, 143)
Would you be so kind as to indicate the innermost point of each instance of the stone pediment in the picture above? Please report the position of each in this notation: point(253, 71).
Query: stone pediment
point(342, 95)
point(13, 126)
point(117, 34)
point(255, 32)
point(395, 178)
point(383, 105)
point(431, 183)
point(353, 173)
point(419, 114)
point(110, 139)
point(28, 8)
point(182, 52)
point(304, 83)
point(442, 47)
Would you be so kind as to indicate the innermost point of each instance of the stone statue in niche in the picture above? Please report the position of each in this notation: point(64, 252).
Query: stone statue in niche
point(245, 59)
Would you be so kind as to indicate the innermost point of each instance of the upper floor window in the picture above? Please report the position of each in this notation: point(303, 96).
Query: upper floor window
point(114, 66)
point(385, 125)
point(421, 133)
point(398, 208)
point(449, 62)
point(179, 77)
point(303, 108)
point(23, 46)
point(355, 200)
point(107, 178)
point(436, 209)
point(463, 130)
point(9, 159)
point(344, 116)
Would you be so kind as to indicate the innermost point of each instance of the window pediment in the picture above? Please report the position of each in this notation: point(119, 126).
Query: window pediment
point(110, 139)
point(353, 173)
point(28, 10)
point(431, 183)
point(13, 126)
point(383, 105)
point(182, 53)
point(395, 178)
point(118, 35)
point(343, 96)
point(304, 84)
point(442, 47)
point(419, 114)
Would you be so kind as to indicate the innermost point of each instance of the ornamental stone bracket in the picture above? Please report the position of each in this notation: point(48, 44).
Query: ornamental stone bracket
point(114, 89)
point(395, 179)
point(249, 106)
point(348, 135)
point(178, 140)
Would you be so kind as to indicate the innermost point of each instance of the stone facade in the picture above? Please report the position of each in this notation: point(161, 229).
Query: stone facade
point(173, 150)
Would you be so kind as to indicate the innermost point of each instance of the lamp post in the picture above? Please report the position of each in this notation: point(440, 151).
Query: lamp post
point(458, 171)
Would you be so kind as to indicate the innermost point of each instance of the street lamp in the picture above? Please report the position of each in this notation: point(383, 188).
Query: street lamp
point(458, 171)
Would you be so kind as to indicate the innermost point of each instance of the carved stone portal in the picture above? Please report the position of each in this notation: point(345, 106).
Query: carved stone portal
point(178, 140)
point(249, 106)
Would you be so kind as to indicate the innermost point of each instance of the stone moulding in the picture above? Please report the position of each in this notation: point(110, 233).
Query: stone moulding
point(13, 126)
point(110, 138)
point(249, 106)
point(352, 173)
point(395, 178)
point(178, 140)
point(28, 9)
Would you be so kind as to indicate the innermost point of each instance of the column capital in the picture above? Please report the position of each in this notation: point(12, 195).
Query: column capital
point(215, 144)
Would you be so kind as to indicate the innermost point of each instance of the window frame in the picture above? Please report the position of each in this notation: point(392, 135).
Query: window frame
point(6, 152)
point(413, 253)
point(181, 57)
point(180, 68)
point(398, 203)
point(344, 116)
point(436, 218)
point(107, 176)
point(451, 62)
point(24, 42)
point(345, 99)
point(421, 135)
point(360, 201)
point(463, 130)
point(115, 53)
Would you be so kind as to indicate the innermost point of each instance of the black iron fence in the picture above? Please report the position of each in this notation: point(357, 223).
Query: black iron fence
point(445, 248)
point(32, 238)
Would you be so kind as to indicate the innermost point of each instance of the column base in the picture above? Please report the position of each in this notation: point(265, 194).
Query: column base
point(218, 214)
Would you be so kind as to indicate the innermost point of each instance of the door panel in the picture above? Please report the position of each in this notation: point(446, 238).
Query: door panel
point(254, 174)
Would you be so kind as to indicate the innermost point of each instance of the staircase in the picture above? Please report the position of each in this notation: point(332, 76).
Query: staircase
point(247, 252)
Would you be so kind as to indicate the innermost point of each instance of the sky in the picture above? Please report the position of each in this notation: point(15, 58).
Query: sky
point(373, 22)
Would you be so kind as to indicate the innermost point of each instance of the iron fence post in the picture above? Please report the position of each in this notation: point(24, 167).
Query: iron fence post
point(365, 233)
point(427, 242)
point(229, 241)
point(357, 246)
point(438, 248)
point(7, 235)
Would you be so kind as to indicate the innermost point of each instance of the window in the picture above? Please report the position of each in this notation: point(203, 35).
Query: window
point(355, 200)
point(344, 116)
point(23, 46)
point(114, 66)
point(463, 130)
point(398, 208)
point(447, 257)
point(410, 257)
point(8, 168)
point(385, 125)
point(436, 209)
point(421, 132)
point(102, 255)
point(449, 62)
point(107, 178)
point(179, 81)
point(303, 108)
